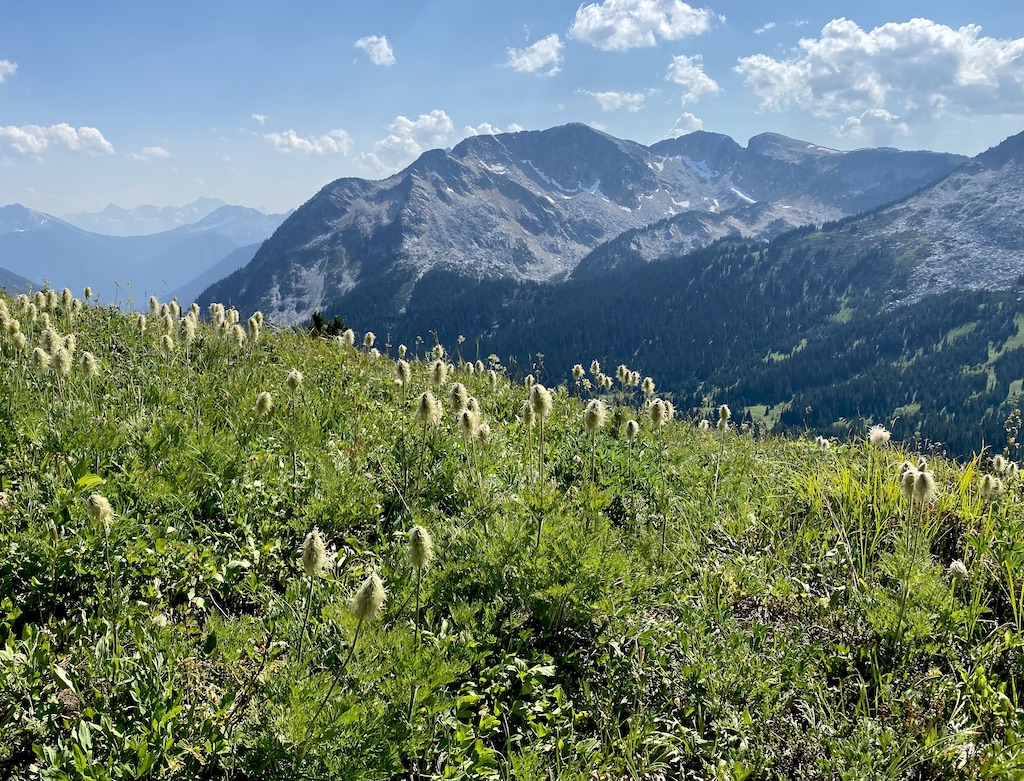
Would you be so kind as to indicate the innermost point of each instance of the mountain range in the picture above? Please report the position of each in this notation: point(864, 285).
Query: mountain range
point(39, 246)
point(142, 220)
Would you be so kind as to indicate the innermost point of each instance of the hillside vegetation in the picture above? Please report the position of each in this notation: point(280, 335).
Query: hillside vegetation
point(227, 553)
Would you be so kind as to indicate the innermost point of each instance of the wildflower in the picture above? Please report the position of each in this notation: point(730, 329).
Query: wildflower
point(402, 372)
point(40, 299)
point(254, 329)
point(991, 487)
point(258, 317)
point(437, 352)
point(493, 377)
point(878, 435)
point(907, 478)
point(166, 345)
point(469, 368)
point(66, 297)
point(483, 433)
point(164, 311)
point(140, 324)
point(632, 429)
point(540, 401)
point(607, 383)
point(924, 487)
point(231, 316)
point(438, 372)
point(314, 553)
point(402, 350)
point(577, 372)
point(527, 413)
point(62, 362)
point(823, 442)
point(187, 326)
point(90, 366)
point(99, 509)
point(670, 410)
point(88, 293)
point(421, 547)
point(154, 306)
point(657, 413)
point(40, 360)
point(528, 382)
point(958, 571)
point(594, 415)
point(237, 335)
point(622, 373)
point(999, 464)
point(174, 308)
point(264, 403)
point(724, 413)
point(194, 311)
point(20, 341)
point(13, 327)
point(467, 425)
point(369, 598)
point(474, 407)
point(76, 305)
point(369, 339)
point(428, 409)
point(70, 344)
point(294, 380)
point(595, 368)
point(480, 368)
point(648, 386)
point(458, 395)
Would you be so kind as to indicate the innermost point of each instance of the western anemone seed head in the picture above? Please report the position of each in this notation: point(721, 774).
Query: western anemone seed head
point(140, 324)
point(154, 305)
point(467, 425)
point(622, 373)
point(704, 425)
point(20, 341)
point(480, 368)
point(51, 299)
point(167, 323)
point(40, 299)
point(428, 409)
point(44, 320)
point(88, 293)
point(76, 305)
point(294, 380)
point(474, 407)
point(402, 372)
point(421, 547)
point(634, 379)
point(62, 362)
point(924, 487)
point(174, 308)
point(991, 487)
point(164, 310)
point(264, 403)
point(823, 442)
point(231, 316)
point(528, 382)
point(369, 339)
point(236, 335)
point(254, 328)
point(595, 368)
point(670, 410)
point(187, 326)
point(99, 509)
point(724, 413)
point(66, 297)
point(526, 413)
point(458, 395)
point(90, 366)
point(70, 344)
point(40, 360)
point(469, 368)
point(258, 317)
point(998, 464)
point(540, 401)
point(438, 372)
point(878, 435)
point(1011, 470)
point(368, 599)
point(648, 386)
point(657, 413)
point(632, 429)
point(607, 383)
point(402, 350)
point(483, 433)
point(13, 327)
point(314, 553)
point(438, 352)
point(49, 340)
point(194, 311)
point(374, 353)
point(577, 372)
point(166, 345)
point(493, 377)
point(594, 415)
point(958, 571)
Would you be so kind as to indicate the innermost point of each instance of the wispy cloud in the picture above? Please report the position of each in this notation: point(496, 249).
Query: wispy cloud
point(150, 152)
point(615, 101)
point(765, 28)
point(377, 49)
point(33, 140)
point(333, 142)
point(687, 123)
point(688, 72)
point(537, 56)
point(629, 24)
point(7, 68)
point(881, 82)
point(487, 129)
point(261, 118)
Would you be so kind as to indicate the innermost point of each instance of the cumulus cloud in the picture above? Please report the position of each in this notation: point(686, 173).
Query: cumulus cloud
point(687, 123)
point(35, 139)
point(688, 72)
point(150, 152)
point(537, 56)
point(614, 101)
point(892, 77)
point(7, 68)
point(487, 129)
point(377, 49)
point(765, 28)
point(628, 24)
point(261, 118)
point(408, 139)
point(334, 142)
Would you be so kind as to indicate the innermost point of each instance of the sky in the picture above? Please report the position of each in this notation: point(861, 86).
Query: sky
point(262, 103)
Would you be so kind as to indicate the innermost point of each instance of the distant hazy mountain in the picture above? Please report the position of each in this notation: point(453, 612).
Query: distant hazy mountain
point(531, 205)
point(13, 283)
point(143, 220)
point(235, 260)
point(41, 247)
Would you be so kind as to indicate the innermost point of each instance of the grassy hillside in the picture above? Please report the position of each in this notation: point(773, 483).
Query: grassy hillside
point(691, 602)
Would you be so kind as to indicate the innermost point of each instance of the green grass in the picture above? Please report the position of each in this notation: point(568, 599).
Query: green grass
point(797, 622)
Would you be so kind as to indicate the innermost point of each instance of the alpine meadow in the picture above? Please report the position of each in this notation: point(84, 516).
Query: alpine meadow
point(235, 551)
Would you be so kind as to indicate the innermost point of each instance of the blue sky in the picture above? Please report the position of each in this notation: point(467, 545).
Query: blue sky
point(262, 103)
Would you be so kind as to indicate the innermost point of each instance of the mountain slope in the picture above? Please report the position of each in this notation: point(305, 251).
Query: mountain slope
point(143, 220)
point(530, 205)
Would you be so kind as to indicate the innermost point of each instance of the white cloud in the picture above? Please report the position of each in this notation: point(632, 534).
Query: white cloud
point(378, 49)
point(35, 139)
point(537, 56)
point(687, 123)
point(7, 68)
point(408, 139)
point(613, 101)
point(765, 28)
point(487, 129)
point(150, 152)
point(261, 118)
point(334, 142)
point(689, 72)
point(886, 80)
point(627, 24)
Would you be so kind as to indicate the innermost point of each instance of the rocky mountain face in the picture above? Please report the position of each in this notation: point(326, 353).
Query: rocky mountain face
point(531, 206)
point(41, 247)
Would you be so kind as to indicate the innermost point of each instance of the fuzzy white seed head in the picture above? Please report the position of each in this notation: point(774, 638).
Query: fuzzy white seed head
point(264, 403)
point(595, 415)
point(657, 413)
point(999, 464)
point(402, 372)
point(438, 352)
point(294, 380)
point(254, 328)
point(236, 336)
point(20, 341)
point(167, 345)
point(70, 344)
point(194, 311)
point(88, 294)
point(40, 360)
point(924, 487)
point(187, 326)
point(648, 386)
point(724, 413)
point(62, 362)
point(140, 324)
point(528, 382)
point(314, 554)
point(526, 413)
point(632, 429)
point(154, 305)
point(480, 368)
point(402, 350)
point(164, 310)
point(467, 425)
point(369, 339)
point(483, 433)
point(458, 395)
point(174, 308)
point(577, 372)
point(493, 377)
point(421, 547)
point(428, 409)
point(878, 435)
point(368, 599)
point(66, 297)
point(958, 571)
point(99, 509)
point(438, 372)
point(540, 400)
point(595, 368)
